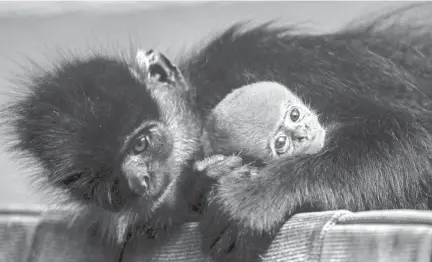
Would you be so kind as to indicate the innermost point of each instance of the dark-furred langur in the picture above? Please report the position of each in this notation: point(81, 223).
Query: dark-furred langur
point(371, 84)
point(116, 137)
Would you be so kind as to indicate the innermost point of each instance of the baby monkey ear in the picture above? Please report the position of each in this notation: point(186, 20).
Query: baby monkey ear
point(154, 67)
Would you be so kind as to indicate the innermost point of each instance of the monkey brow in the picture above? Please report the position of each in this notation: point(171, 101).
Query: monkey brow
point(285, 106)
point(145, 126)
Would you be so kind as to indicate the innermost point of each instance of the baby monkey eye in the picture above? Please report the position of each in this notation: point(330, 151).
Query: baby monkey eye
point(280, 142)
point(140, 144)
point(295, 114)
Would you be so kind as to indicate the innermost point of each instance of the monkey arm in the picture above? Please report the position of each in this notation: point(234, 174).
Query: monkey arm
point(371, 162)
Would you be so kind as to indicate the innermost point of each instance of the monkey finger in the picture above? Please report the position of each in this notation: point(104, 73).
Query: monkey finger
point(231, 162)
point(224, 167)
point(225, 243)
point(245, 171)
point(203, 164)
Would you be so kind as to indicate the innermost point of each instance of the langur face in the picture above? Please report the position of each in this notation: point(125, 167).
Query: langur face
point(155, 153)
point(145, 154)
point(298, 132)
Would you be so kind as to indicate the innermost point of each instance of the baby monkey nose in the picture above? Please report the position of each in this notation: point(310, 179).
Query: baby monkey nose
point(299, 134)
point(302, 133)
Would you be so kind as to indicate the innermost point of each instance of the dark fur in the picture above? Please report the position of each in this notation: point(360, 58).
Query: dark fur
point(76, 120)
point(371, 83)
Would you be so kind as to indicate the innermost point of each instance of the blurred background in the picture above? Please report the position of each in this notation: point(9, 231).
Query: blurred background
point(39, 30)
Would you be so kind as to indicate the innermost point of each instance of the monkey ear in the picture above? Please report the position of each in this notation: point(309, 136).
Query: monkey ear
point(156, 67)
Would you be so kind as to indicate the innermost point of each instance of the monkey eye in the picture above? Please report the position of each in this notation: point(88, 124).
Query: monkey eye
point(295, 114)
point(140, 144)
point(280, 144)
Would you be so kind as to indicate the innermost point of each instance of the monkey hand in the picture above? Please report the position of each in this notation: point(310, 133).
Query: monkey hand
point(218, 165)
point(232, 227)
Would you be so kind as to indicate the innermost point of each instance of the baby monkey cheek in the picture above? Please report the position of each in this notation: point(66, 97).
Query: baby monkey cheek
point(317, 142)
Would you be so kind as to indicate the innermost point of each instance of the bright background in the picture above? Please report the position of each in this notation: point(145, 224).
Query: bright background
point(38, 30)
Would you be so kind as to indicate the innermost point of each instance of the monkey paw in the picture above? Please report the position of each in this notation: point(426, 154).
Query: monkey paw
point(227, 227)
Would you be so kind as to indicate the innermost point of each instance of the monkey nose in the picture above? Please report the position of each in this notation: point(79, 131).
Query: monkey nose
point(139, 183)
point(301, 134)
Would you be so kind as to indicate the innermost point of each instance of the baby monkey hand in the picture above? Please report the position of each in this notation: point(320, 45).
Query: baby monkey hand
point(217, 166)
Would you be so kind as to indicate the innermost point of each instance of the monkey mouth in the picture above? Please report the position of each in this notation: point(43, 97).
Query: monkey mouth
point(152, 197)
point(313, 143)
point(300, 148)
point(152, 185)
point(139, 184)
point(158, 184)
point(301, 142)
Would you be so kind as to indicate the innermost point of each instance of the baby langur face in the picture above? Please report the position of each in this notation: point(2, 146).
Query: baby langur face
point(298, 132)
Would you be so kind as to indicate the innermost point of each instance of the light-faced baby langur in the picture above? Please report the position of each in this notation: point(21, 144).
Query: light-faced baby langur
point(377, 153)
point(260, 122)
